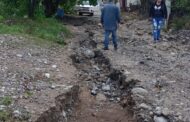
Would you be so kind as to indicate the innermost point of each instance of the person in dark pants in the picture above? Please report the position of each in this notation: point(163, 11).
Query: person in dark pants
point(158, 12)
point(59, 13)
point(110, 18)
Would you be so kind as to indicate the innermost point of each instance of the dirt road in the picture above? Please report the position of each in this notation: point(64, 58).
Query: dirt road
point(161, 70)
point(141, 82)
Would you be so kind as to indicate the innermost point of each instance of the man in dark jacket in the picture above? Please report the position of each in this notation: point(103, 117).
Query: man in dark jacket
point(158, 12)
point(110, 18)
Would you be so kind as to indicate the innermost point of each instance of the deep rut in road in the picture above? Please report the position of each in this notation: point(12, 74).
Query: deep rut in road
point(103, 97)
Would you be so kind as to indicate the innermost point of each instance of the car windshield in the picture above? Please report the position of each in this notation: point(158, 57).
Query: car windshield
point(86, 3)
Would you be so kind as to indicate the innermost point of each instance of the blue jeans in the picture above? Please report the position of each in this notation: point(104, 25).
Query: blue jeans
point(114, 38)
point(157, 24)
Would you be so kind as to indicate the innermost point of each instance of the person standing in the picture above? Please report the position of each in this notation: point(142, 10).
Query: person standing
point(110, 18)
point(158, 12)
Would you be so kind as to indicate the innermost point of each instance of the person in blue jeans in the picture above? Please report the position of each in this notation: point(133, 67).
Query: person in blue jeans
point(158, 12)
point(110, 18)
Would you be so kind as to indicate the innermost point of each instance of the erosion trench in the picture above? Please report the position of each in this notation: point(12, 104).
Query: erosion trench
point(140, 82)
point(150, 82)
point(104, 97)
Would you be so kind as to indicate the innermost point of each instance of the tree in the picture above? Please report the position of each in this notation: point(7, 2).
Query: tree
point(30, 7)
point(32, 4)
point(181, 7)
point(92, 2)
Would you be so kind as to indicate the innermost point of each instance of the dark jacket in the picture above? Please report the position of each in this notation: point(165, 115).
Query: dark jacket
point(110, 17)
point(158, 11)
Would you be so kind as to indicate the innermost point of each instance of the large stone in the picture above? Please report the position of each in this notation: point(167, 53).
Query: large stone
point(140, 91)
point(89, 53)
point(47, 75)
point(145, 106)
point(106, 88)
point(160, 119)
point(165, 111)
point(101, 97)
point(93, 92)
point(158, 111)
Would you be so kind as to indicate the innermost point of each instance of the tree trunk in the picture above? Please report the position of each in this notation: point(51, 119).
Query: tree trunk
point(145, 6)
point(31, 8)
point(50, 7)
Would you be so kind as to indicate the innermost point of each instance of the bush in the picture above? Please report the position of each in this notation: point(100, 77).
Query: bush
point(6, 101)
point(180, 14)
point(180, 7)
point(181, 23)
point(1, 18)
point(14, 7)
point(4, 115)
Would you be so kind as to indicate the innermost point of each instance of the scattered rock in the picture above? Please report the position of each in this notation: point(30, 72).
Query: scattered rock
point(54, 66)
point(96, 67)
point(53, 87)
point(151, 113)
point(19, 55)
point(140, 91)
point(165, 111)
point(106, 88)
point(145, 106)
point(47, 75)
point(93, 92)
point(180, 117)
point(158, 111)
point(160, 119)
point(21, 114)
point(127, 72)
point(101, 97)
point(64, 114)
point(118, 99)
point(89, 53)
point(94, 114)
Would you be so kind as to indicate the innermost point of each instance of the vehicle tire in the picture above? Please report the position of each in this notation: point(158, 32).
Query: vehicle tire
point(80, 13)
point(91, 14)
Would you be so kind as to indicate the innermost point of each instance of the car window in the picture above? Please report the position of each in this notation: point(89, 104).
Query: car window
point(86, 3)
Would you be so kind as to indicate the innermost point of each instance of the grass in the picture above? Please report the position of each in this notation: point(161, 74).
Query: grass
point(47, 29)
point(6, 101)
point(181, 23)
point(28, 94)
point(4, 115)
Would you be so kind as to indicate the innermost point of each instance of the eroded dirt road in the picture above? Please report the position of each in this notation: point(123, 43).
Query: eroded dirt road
point(161, 70)
point(141, 82)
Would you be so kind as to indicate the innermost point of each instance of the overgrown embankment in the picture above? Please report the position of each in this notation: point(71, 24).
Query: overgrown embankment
point(41, 28)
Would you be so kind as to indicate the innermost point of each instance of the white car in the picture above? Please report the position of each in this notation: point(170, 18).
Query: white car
point(84, 9)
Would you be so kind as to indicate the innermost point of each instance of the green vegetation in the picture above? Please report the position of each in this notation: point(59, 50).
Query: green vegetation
point(180, 13)
point(181, 23)
point(6, 101)
point(181, 7)
point(4, 115)
point(36, 8)
point(28, 94)
point(47, 29)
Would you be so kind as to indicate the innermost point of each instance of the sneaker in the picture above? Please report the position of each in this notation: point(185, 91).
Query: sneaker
point(105, 48)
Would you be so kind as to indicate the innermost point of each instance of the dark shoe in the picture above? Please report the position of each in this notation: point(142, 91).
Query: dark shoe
point(115, 47)
point(105, 48)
